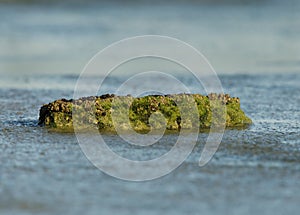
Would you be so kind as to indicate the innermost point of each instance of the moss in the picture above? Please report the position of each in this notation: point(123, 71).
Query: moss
point(236, 117)
point(173, 112)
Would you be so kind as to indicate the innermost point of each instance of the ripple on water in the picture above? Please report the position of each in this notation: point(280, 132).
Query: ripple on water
point(46, 172)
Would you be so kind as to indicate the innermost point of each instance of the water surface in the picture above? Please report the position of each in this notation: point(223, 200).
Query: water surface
point(255, 48)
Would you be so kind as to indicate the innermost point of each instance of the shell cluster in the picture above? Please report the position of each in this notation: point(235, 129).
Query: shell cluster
point(225, 98)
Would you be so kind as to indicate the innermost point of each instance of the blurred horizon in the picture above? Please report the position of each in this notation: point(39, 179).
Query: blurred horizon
point(139, 1)
point(236, 36)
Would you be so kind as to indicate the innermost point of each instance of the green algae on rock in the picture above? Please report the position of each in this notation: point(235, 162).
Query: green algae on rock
point(143, 113)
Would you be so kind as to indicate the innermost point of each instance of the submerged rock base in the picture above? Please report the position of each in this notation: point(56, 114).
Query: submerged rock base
point(108, 111)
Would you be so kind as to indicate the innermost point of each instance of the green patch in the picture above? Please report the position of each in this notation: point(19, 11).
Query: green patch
point(121, 113)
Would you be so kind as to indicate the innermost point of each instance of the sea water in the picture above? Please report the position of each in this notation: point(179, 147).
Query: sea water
point(254, 47)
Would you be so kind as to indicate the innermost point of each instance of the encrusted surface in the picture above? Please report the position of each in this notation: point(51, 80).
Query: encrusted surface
point(174, 112)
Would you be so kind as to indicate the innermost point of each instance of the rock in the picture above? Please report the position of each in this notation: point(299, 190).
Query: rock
point(108, 111)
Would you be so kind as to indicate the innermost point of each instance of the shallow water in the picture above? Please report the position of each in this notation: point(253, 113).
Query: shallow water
point(255, 171)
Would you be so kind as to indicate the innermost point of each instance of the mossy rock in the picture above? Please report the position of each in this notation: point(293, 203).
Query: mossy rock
point(171, 112)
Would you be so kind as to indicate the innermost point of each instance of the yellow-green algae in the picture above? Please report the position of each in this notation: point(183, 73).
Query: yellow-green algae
point(156, 111)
